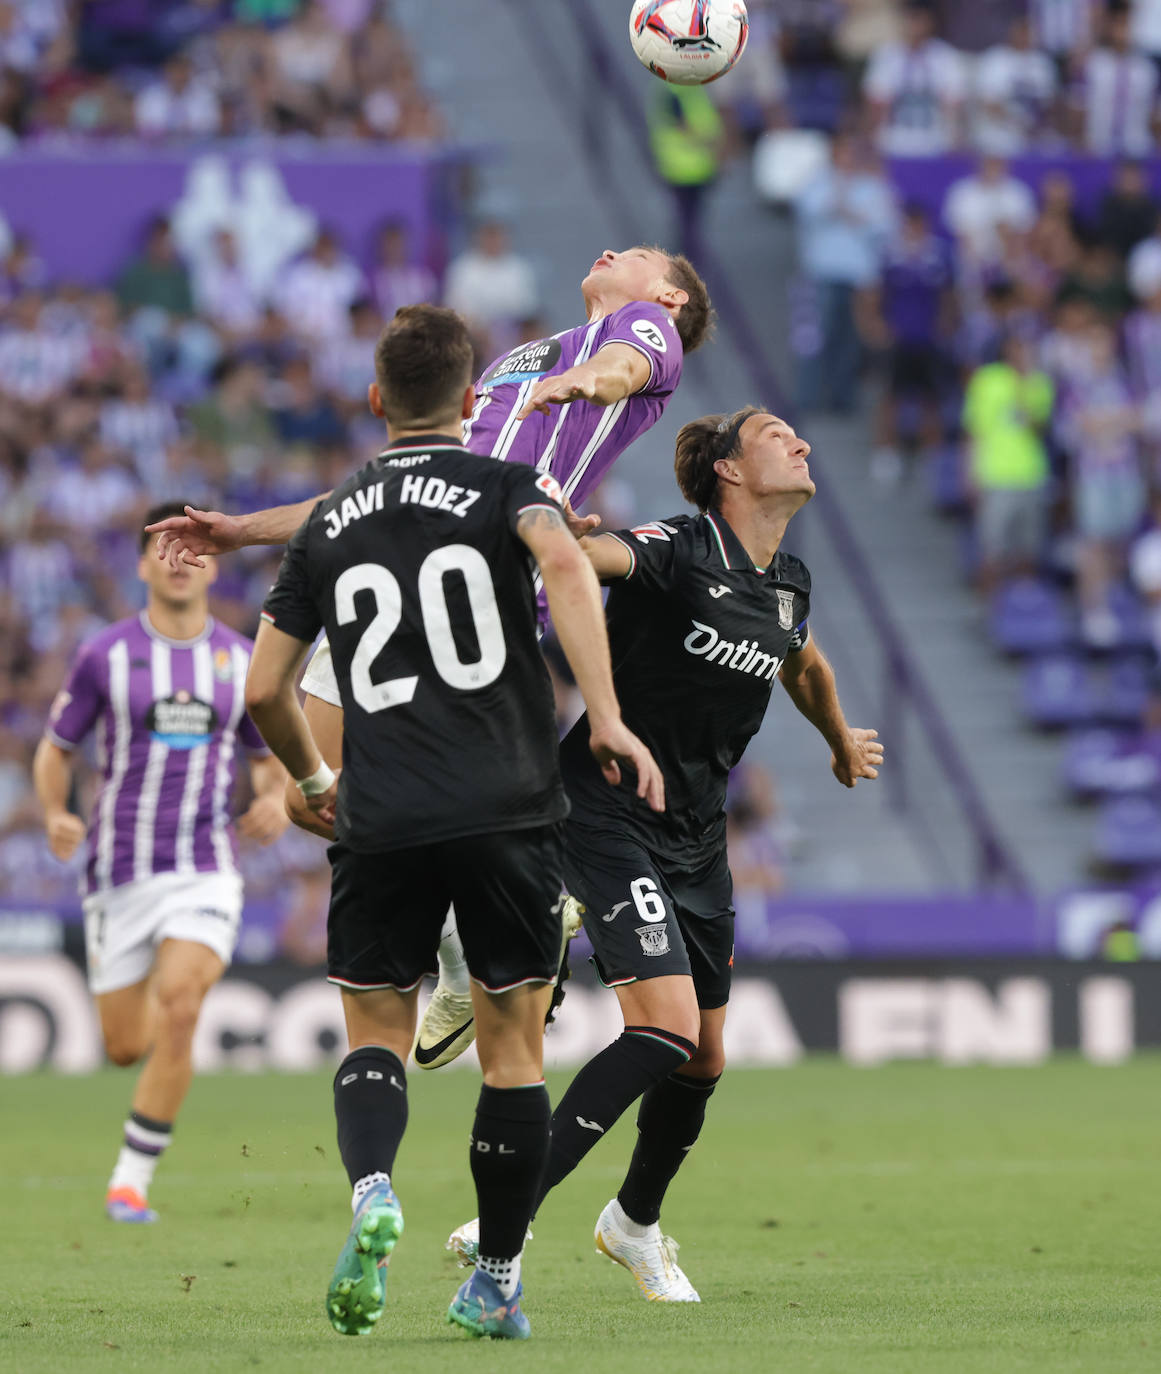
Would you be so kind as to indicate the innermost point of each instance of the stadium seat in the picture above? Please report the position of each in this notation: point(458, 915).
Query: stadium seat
point(1110, 763)
point(1128, 833)
point(1059, 690)
point(1030, 616)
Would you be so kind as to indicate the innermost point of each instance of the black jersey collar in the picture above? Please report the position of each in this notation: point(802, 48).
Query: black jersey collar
point(425, 442)
point(733, 552)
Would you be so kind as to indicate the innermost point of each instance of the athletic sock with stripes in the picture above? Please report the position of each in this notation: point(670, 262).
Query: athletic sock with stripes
point(668, 1125)
point(371, 1110)
point(144, 1143)
point(605, 1088)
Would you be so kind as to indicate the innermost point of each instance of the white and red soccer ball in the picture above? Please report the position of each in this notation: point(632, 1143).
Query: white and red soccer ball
point(688, 42)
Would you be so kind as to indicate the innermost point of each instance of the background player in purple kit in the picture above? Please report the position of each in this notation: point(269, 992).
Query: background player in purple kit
point(645, 310)
point(163, 896)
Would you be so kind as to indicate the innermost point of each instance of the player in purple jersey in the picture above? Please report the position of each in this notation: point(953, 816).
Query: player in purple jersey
point(645, 310)
point(165, 692)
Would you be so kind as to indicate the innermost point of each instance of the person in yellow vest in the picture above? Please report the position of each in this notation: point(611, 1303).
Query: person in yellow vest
point(1006, 410)
point(686, 136)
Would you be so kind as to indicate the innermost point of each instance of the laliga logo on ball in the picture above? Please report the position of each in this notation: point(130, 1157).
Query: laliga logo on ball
point(688, 42)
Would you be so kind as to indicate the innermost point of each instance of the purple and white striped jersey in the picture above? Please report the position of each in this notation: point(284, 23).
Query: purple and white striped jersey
point(169, 715)
point(577, 443)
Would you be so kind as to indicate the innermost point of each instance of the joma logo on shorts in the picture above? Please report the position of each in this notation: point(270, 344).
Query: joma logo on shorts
point(704, 642)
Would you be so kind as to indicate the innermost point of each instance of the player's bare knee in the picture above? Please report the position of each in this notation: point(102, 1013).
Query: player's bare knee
point(124, 1050)
point(708, 1062)
point(178, 1007)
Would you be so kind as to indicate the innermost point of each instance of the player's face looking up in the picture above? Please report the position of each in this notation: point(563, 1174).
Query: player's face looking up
point(769, 459)
point(637, 274)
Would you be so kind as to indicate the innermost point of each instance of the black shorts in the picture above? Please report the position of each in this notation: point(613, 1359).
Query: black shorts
point(915, 370)
point(647, 918)
point(387, 909)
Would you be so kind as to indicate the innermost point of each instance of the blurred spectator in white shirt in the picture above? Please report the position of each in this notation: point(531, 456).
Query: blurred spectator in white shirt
point(140, 424)
point(1143, 268)
point(1145, 26)
point(397, 279)
point(181, 103)
point(916, 88)
point(1117, 100)
point(318, 291)
point(35, 363)
point(1063, 27)
point(221, 287)
point(493, 287)
point(977, 205)
point(1016, 86)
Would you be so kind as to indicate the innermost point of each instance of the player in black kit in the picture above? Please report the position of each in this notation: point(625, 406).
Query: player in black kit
point(420, 570)
point(704, 612)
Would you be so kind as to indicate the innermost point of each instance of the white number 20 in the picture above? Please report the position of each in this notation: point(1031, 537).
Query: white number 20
point(384, 587)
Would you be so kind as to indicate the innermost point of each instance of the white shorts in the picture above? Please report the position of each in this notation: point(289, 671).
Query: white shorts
point(124, 926)
point(319, 679)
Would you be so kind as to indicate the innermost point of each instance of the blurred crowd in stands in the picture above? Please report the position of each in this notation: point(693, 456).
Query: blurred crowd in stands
point(178, 70)
point(1002, 303)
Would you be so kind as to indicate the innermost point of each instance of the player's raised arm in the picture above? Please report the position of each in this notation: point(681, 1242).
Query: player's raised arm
point(616, 371)
point(809, 680)
point(574, 599)
point(191, 537)
point(273, 706)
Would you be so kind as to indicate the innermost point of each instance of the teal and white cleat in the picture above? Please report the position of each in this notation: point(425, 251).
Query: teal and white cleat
point(357, 1289)
point(480, 1307)
point(464, 1242)
point(651, 1259)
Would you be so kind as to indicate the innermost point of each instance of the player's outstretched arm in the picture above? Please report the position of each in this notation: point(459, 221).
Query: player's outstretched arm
point(191, 537)
point(809, 680)
point(265, 818)
point(273, 706)
point(610, 558)
point(52, 776)
point(574, 598)
point(326, 725)
point(615, 372)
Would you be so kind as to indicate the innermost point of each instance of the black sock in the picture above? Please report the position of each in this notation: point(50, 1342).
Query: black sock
point(509, 1145)
point(371, 1110)
point(605, 1088)
point(668, 1126)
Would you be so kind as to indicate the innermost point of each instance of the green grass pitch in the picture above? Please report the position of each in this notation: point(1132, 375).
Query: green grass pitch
point(908, 1218)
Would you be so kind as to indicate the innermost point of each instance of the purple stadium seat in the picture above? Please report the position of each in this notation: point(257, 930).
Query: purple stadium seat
point(1132, 621)
point(1109, 763)
point(1032, 617)
point(1128, 832)
point(1058, 690)
point(1125, 692)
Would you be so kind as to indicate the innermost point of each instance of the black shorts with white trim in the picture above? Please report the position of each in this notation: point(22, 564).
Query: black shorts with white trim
point(646, 917)
point(387, 909)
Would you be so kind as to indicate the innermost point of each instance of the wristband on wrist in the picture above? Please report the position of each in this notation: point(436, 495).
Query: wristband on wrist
point(318, 782)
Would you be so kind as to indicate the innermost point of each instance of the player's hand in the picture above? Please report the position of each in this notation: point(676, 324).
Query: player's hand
point(264, 819)
point(861, 757)
point(323, 805)
point(65, 832)
point(570, 385)
point(579, 525)
point(190, 537)
point(614, 744)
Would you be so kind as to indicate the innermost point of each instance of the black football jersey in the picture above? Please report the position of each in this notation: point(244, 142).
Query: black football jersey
point(415, 570)
point(697, 636)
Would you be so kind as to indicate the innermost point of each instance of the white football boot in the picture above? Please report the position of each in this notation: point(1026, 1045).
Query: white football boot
point(447, 1029)
point(464, 1242)
point(651, 1259)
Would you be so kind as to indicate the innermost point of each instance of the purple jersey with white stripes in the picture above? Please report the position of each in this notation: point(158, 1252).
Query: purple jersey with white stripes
point(577, 443)
point(170, 715)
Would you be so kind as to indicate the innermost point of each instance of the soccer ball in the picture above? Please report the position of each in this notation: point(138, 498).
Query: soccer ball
point(688, 42)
